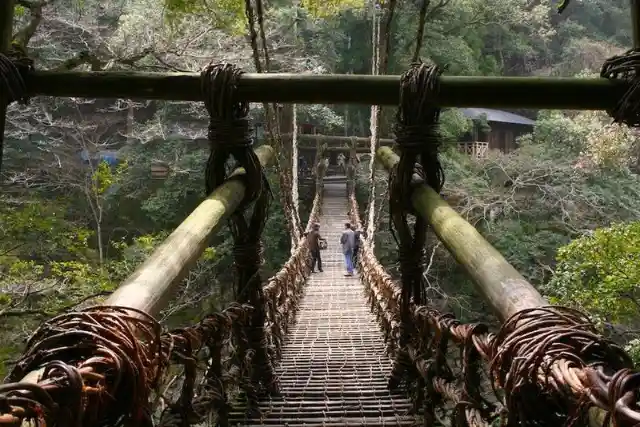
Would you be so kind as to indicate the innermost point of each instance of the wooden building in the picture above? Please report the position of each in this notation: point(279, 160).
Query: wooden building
point(504, 128)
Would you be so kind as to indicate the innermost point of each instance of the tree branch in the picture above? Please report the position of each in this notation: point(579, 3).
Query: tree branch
point(24, 35)
point(98, 64)
point(45, 313)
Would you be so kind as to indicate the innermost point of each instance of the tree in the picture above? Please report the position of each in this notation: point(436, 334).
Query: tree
point(598, 273)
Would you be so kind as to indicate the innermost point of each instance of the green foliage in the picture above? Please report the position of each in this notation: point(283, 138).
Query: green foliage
point(633, 349)
point(228, 15)
point(599, 273)
point(40, 230)
point(453, 125)
point(19, 11)
point(330, 8)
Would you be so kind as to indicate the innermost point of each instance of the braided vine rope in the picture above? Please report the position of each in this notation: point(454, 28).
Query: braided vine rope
point(230, 137)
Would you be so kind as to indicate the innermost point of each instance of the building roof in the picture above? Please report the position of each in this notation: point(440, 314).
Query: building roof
point(496, 116)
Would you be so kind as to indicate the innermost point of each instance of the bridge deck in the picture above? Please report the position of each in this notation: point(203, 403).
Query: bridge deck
point(334, 368)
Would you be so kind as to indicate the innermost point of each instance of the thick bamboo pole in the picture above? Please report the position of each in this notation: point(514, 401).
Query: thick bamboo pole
point(522, 92)
point(497, 281)
point(152, 284)
point(6, 24)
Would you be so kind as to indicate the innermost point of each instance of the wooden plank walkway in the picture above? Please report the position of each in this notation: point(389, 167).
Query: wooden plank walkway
point(334, 368)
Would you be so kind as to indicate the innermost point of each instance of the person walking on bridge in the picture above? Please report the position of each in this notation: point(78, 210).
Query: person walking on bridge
point(348, 242)
point(314, 239)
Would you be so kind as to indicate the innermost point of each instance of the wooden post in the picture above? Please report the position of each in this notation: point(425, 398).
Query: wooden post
point(6, 28)
point(351, 167)
point(318, 156)
point(321, 168)
point(361, 150)
point(506, 291)
point(285, 119)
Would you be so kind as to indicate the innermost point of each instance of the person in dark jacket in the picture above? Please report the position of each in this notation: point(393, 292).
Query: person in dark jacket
point(314, 238)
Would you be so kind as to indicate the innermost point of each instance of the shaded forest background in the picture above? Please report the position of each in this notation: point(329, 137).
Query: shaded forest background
point(79, 209)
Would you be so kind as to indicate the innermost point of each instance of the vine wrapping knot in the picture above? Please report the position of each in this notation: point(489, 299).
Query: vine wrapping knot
point(230, 138)
point(625, 67)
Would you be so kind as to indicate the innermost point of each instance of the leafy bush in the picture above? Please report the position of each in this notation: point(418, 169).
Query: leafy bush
point(599, 273)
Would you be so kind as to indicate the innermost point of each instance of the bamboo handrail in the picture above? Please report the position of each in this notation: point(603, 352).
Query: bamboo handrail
point(514, 92)
point(506, 291)
point(360, 150)
point(150, 286)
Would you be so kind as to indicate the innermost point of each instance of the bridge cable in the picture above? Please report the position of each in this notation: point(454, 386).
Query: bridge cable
point(418, 139)
point(230, 138)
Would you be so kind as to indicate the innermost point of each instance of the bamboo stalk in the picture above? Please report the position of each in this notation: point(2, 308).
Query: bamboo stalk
point(522, 92)
point(498, 282)
point(339, 141)
point(152, 284)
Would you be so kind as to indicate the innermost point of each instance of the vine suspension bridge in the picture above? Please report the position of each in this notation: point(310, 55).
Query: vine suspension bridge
point(324, 349)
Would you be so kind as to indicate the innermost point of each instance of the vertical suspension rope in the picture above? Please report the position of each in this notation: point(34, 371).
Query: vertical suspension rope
point(374, 127)
point(294, 177)
point(270, 112)
point(230, 137)
point(418, 139)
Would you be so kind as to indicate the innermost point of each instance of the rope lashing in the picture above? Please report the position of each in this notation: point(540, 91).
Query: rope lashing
point(13, 68)
point(625, 67)
point(89, 358)
point(557, 355)
point(230, 137)
point(199, 399)
point(229, 133)
point(418, 140)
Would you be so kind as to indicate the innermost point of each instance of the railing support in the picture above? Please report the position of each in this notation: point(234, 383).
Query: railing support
point(515, 92)
point(499, 283)
point(152, 284)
